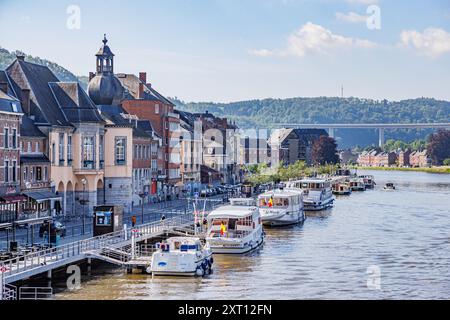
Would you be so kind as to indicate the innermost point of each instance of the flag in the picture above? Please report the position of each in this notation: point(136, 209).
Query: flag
point(271, 203)
point(223, 229)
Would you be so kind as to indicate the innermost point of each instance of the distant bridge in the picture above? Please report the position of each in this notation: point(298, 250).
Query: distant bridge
point(380, 126)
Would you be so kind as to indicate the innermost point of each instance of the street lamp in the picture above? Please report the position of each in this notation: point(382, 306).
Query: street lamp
point(84, 181)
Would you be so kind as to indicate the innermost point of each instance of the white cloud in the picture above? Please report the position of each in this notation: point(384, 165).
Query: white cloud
point(431, 42)
point(351, 17)
point(313, 38)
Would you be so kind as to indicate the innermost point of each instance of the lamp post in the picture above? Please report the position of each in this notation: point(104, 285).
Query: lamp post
point(84, 181)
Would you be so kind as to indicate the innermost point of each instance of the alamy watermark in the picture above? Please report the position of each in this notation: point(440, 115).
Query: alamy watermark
point(74, 19)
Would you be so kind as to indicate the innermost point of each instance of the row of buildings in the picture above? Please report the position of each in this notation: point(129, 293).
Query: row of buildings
point(374, 158)
point(64, 150)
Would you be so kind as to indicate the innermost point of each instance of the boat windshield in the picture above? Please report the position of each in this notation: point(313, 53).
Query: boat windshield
point(231, 227)
point(273, 202)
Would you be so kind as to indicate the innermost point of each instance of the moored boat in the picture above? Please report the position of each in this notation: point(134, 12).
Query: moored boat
point(317, 193)
point(234, 229)
point(357, 184)
point(342, 189)
point(181, 256)
point(281, 207)
point(369, 181)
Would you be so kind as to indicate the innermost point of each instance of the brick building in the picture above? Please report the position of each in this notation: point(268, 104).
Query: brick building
point(10, 119)
point(142, 100)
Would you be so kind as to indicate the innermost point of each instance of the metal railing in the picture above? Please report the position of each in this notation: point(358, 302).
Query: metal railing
point(9, 292)
point(35, 293)
point(80, 248)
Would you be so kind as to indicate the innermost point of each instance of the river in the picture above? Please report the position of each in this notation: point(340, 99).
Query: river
point(372, 245)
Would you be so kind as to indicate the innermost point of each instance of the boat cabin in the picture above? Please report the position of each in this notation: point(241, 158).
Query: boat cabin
point(233, 221)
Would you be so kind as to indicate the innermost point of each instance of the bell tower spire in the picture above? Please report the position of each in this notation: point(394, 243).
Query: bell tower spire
point(105, 58)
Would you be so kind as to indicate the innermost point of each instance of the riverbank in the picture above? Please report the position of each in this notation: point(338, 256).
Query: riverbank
point(441, 170)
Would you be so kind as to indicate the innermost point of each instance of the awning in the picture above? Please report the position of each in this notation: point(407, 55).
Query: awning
point(13, 199)
point(41, 196)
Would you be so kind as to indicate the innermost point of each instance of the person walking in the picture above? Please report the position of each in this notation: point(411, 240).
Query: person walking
point(133, 221)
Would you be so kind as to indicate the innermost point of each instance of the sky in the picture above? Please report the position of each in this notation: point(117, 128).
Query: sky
point(231, 50)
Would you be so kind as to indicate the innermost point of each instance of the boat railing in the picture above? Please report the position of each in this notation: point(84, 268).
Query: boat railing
point(51, 255)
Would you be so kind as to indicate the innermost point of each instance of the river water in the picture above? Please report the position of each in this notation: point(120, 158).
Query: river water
point(372, 245)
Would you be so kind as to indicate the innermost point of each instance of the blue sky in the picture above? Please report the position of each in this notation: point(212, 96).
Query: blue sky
point(229, 50)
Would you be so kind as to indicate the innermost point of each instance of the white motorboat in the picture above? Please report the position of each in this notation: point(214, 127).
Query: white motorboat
point(389, 186)
point(234, 229)
point(369, 181)
point(317, 193)
point(181, 256)
point(357, 184)
point(342, 188)
point(281, 207)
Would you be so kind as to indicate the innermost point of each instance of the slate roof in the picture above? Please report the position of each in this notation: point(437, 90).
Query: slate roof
point(29, 129)
point(9, 103)
point(131, 84)
point(113, 113)
point(38, 158)
point(74, 102)
point(37, 78)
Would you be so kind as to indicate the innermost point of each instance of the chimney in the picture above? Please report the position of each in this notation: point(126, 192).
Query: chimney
point(141, 91)
point(143, 77)
point(91, 76)
point(4, 87)
point(20, 57)
point(26, 101)
point(149, 85)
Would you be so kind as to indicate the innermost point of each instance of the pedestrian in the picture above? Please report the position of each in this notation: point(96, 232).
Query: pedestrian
point(163, 217)
point(133, 221)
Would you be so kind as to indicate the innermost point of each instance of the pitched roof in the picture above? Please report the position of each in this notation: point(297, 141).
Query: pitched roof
point(131, 84)
point(9, 103)
point(36, 78)
point(29, 129)
point(74, 102)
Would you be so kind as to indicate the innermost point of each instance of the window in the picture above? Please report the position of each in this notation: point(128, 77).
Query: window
point(36, 146)
point(14, 138)
point(6, 172)
point(102, 151)
point(61, 149)
point(6, 138)
point(154, 165)
point(175, 158)
point(21, 146)
point(157, 108)
point(29, 147)
point(69, 150)
point(14, 171)
point(88, 153)
point(174, 126)
point(53, 152)
point(38, 173)
point(45, 173)
point(120, 150)
point(25, 174)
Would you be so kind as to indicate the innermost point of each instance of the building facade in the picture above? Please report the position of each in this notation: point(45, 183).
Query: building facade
point(291, 145)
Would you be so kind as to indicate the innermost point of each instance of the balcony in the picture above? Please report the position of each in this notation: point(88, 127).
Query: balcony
point(88, 168)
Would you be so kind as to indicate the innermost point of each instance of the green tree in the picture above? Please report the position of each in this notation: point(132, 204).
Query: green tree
point(439, 146)
point(324, 151)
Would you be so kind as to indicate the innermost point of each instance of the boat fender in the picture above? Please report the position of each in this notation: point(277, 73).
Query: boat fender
point(200, 272)
point(148, 270)
point(211, 260)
